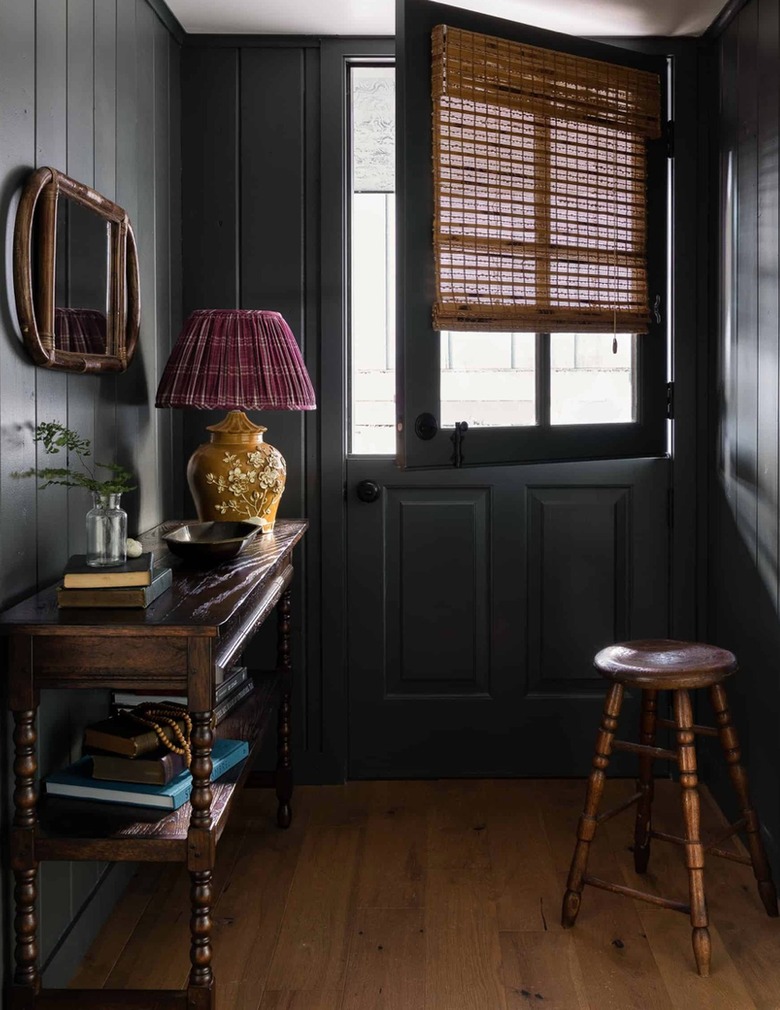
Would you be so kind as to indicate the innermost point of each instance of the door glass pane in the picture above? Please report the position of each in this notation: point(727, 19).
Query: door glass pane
point(372, 260)
point(588, 383)
point(488, 379)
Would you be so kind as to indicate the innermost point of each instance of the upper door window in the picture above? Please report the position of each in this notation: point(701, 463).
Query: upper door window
point(488, 379)
point(586, 391)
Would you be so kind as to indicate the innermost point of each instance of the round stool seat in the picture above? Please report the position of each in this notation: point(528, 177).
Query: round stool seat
point(665, 665)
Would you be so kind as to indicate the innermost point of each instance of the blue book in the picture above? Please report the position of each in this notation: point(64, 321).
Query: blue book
point(76, 781)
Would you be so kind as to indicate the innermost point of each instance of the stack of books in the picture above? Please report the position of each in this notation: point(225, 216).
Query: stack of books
point(136, 583)
point(79, 780)
point(124, 761)
point(233, 686)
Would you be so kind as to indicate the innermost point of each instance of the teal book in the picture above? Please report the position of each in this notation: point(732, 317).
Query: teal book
point(76, 781)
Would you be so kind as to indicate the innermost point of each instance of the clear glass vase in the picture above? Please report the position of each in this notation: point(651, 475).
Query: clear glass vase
point(106, 532)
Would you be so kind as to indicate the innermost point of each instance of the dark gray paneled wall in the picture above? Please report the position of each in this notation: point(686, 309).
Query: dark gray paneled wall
point(250, 187)
point(745, 504)
point(90, 87)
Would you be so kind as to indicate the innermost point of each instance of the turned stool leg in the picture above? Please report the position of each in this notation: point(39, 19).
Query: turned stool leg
point(730, 743)
point(694, 851)
point(587, 823)
point(645, 783)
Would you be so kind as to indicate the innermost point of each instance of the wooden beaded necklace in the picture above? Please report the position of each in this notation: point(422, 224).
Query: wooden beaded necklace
point(168, 715)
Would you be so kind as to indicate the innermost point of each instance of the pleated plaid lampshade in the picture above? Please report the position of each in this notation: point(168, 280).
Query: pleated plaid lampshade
point(236, 359)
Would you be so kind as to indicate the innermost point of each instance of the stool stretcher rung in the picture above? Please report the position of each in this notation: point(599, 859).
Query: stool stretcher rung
point(732, 830)
point(618, 809)
point(735, 857)
point(630, 892)
point(661, 753)
point(699, 730)
point(712, 848)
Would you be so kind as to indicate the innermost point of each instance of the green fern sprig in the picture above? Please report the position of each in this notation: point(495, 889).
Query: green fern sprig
point(56, 438)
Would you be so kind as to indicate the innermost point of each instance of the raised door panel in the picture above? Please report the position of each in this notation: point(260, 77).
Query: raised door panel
point(437, 603)
point(578, 583)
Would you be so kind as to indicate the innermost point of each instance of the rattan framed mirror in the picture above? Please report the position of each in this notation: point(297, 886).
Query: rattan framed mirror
point(76, 276)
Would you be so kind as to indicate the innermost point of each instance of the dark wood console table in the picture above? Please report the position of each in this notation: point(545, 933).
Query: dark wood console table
point(203, 622)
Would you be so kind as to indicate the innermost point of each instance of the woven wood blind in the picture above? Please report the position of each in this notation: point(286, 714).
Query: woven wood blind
point(540, 176)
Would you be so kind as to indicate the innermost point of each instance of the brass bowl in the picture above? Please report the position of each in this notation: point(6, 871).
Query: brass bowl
point(210, 543)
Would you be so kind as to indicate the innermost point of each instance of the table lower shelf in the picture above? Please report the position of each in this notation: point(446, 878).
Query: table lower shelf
point(89, 829)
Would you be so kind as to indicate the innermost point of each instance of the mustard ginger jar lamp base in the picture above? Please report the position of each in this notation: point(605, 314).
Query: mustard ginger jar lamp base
point(236, 476)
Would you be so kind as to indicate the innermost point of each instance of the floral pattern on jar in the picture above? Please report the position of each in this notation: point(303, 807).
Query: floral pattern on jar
point(251, 489)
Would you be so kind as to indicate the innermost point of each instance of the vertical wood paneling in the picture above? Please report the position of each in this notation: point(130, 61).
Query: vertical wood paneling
point(162, 236)
point(210, 200)
point(105, 182)
point(130, 188)
point(727, 305)
point(82, 390)
point(69, 97)
point(210, 180)
point(17, 386)
point(175, 422)
point(51, 149)
point(273, 246)
point(146, 368)
point(744, 594)
point(311, 726)
point(272, 219)
point(768, 282)
point(747, 266)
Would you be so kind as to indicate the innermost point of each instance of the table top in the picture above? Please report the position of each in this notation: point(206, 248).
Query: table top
point(201, 600)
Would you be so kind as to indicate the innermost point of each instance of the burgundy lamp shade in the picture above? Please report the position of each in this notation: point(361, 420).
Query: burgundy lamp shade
point(236, 359)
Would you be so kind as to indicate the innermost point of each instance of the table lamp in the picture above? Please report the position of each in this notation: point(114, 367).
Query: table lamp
point(236, 360)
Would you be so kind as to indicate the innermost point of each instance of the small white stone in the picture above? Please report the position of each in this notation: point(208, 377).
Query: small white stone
point(134, 548)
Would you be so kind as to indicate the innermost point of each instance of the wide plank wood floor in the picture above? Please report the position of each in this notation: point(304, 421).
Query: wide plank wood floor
point(443, 895)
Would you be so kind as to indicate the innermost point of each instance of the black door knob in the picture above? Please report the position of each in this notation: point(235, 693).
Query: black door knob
point(368, 491)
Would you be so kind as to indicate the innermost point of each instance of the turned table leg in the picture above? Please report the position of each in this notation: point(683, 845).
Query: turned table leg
point(284, 774)
point(694, 851)
point(25, 868)
point(201, 857)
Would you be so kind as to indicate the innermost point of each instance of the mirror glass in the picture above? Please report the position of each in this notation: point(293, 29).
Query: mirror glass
point(81, 295)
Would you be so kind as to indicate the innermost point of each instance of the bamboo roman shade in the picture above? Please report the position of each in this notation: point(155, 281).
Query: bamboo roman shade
point(540, 177)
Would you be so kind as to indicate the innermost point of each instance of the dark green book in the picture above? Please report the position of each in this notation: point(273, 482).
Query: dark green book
point(134, 572)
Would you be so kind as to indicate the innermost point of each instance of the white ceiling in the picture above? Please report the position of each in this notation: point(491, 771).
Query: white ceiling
point(377, 17)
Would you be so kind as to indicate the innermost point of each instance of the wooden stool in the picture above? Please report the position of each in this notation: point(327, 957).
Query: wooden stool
point(653, 666)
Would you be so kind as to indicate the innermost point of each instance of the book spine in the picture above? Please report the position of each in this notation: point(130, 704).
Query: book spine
point(116, 597)
point(159, 771)
point(134, 746)
point(224, 764)
point(235, 698)
point(127, 699)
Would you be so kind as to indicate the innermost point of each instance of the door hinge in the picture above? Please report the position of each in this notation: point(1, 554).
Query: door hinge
point(670, 138)
point(670, 400)
point(670, 508)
